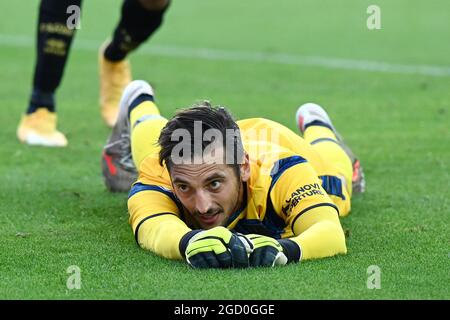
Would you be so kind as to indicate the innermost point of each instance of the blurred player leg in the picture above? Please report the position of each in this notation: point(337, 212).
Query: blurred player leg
point(319, 131)
point(133, 138)
point(139, 20)
point(54, 38)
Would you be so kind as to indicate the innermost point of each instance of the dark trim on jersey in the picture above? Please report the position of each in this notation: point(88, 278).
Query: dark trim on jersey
point(272, 220)
point(323, 140)
point(281, 166)
point(332, 185)
point(272, 224)
point(247, 226)
point(136, 232)
point(317, 123)
point(138, 187)
point(242, 208)
point(312, 207)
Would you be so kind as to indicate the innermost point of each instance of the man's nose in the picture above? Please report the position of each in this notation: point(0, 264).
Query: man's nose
point(202, 202)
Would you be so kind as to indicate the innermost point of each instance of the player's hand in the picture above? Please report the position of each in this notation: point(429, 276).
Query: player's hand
point(269, 252)
point(216, 248)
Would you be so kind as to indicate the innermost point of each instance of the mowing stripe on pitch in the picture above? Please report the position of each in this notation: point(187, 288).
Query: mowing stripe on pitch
point(253, 56)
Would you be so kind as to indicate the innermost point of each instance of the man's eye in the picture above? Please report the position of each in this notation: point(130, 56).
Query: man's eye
point(215, 185)
point(183, 188)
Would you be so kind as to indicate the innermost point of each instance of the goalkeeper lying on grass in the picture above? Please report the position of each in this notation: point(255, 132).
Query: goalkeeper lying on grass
point(222, 194)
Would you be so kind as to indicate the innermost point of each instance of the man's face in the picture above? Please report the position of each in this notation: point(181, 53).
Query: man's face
point(209, 192)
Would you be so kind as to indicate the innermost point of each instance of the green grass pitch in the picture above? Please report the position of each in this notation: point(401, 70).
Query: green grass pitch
point(386, 90)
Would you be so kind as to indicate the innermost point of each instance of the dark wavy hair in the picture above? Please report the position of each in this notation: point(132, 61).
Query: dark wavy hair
point(218, 118)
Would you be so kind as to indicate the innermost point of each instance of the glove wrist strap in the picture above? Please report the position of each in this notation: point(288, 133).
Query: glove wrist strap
point(185, 241)
point(291, 249)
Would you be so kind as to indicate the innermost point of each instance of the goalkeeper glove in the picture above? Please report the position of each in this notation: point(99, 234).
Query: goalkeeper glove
point(215, 248)
point(269, 252)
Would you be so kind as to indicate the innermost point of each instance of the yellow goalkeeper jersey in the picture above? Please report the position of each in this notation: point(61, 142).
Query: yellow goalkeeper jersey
point(293, 192)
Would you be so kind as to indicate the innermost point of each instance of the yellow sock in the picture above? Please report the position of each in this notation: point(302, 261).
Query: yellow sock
point(313, 133)
point(142, 110)
point(146, 124)
point(324, 141)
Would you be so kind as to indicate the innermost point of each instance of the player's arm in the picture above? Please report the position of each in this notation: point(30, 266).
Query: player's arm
point(298, 197)
point(319, 233)
point(155, 219)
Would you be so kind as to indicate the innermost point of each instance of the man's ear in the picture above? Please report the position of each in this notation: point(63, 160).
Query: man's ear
point(245, 168)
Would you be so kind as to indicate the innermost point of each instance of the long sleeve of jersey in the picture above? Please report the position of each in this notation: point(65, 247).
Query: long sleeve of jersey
point(313, 219)
point(155, 219)
point(319, 234)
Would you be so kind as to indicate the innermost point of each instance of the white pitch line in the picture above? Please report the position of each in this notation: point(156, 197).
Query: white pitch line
point(254, 56)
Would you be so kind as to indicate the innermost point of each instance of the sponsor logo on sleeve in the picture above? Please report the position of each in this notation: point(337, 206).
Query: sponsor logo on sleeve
point(303, 192)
